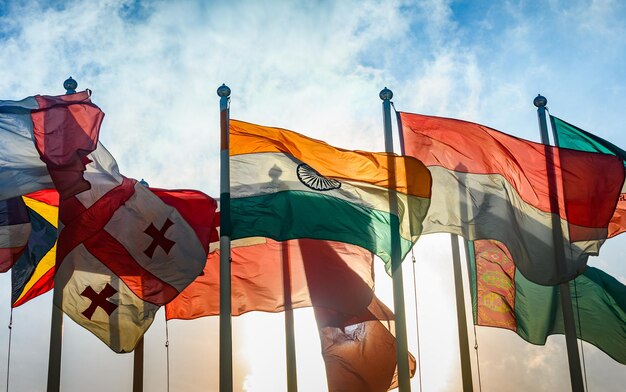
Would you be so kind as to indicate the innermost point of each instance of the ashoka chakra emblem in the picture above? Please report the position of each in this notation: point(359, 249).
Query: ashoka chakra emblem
point(311, 178)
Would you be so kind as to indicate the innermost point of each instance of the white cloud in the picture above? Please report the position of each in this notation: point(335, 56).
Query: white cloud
point(316, 68)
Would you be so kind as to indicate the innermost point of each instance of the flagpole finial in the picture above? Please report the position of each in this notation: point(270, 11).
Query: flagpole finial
point(223, 90)
point(385, 94)
point(70, 86)
point(540, 101)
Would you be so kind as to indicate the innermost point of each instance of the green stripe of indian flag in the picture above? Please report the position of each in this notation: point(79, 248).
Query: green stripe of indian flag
point(270, 198)
point(319, 217)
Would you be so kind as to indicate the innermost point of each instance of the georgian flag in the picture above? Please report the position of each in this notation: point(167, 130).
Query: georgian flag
point(123, 252)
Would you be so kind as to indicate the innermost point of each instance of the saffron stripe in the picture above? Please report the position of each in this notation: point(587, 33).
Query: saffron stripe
point(410, 176)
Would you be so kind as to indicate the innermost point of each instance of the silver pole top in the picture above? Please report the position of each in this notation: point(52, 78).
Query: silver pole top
point(70, 86)
point(540, 101)
point(223, 91)
point(385, 94)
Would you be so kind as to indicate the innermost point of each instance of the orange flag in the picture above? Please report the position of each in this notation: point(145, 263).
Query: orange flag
point(356, 329)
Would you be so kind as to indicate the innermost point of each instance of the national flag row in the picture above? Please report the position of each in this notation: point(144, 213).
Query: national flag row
point(301, 210)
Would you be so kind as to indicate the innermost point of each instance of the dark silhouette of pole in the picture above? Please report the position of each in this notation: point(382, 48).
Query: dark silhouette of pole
point(290, 339)
point(56, 323)
point(402, 352)
point(569, 324)
point(464, 350)
point(226, 333)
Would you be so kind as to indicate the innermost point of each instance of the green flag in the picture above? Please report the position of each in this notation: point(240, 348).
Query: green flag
point(502, 297)
point(570, 136)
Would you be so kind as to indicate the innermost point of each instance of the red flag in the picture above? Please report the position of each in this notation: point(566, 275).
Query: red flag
point(44, 137)
point(335, 278)
point(65, 130)
point(490, 185)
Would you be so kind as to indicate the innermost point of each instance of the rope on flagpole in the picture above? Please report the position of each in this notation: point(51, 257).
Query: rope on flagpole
point(417, 327)
point(469, 257)
point(480, 385)
point(167, 353)
point(9, 350)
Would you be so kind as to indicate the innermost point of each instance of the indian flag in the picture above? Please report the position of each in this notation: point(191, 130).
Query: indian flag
point(286, 186)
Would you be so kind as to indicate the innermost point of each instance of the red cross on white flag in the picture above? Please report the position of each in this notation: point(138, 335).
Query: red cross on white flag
point(123, 251)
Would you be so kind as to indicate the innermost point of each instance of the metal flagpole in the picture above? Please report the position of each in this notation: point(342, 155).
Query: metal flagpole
point(559, 254)
point(56, 339)
point(138, 367)
point(138, 352)
point(466, 364)
point(290, 340)
point(402, 353)
point(56, 323)
point(226, 336)
point(464, 349)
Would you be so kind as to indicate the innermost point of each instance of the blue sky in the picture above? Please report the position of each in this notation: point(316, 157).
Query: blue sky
point(315, 67)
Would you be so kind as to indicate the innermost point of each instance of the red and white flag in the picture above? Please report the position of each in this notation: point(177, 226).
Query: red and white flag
point(123, 252)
